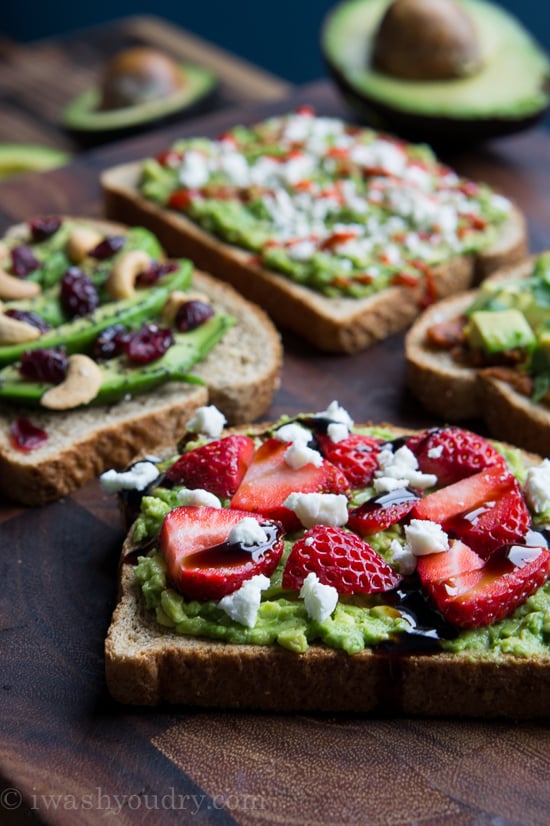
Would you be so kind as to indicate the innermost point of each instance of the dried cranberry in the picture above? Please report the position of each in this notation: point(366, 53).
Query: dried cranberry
point(25, 436)
point(23, 261)
point(29, 317)
point(149, 343)
point(108, 247)
point(44, 227)
point(78, 295)
point(192, 314)
point(48, 365)
point(111, 342)
point(155, 272)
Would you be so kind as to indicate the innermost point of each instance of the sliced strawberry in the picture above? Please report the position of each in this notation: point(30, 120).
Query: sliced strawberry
point(487, 593)
point(459, 559)
point(452, 453)
point(269, 480)
point(201, 563)
point(356, 456)
point(464, 496)
point(341, 559)
point(381, 512)
point(495, 523)
point(218, 466)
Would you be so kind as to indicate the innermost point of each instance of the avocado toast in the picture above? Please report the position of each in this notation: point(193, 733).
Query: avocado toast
point(342, 234)
point(105, 350)
point(312, 564)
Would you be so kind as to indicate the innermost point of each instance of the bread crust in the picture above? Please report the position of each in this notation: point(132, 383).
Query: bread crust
point(345, 325)
point(455, 393)
point(146, 664)
point(241, 375)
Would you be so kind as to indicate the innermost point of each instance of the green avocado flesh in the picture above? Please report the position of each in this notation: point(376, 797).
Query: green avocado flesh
point(358, 622)
point(16, 158)
point(83, 115)
point(344, 211)
point(511, 85)
point(121, 378)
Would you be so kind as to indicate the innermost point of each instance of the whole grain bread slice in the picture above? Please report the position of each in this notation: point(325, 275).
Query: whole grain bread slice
point(455, 392)
point(345, 325)
point(240, 375)
point(148, 664)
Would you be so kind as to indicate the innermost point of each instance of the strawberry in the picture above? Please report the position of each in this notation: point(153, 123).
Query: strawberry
point(218, 466)
point(356, 456)
point(471, 592)
point(463, 496)
point(341, 559)
point(503, 521)
point(201, 564)
point(382, 511)
point(452, 453)
point(269, 480)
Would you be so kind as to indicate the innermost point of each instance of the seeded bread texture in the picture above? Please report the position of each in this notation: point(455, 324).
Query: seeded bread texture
point(241, 375)
point(345, 325)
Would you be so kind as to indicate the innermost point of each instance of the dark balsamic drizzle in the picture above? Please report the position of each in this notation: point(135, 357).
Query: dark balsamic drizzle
point(428, 626)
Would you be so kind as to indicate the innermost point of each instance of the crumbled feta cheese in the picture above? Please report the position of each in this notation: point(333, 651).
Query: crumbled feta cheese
point(319, 508)
point(243, 605)
point(194, 171)
point(425, 537)
point(337, 432)
point(293, 432)
point(320, 600)
point(298, 455)
point(400, 470)
point(435, 452)
point(537, 487)
point(136, 478)
point(247, 532)
point(335, 413)
point(208, 421)
point(198, 497)
point(403, 557)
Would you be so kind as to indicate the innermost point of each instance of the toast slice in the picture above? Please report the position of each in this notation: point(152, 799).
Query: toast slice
point(334, 324)
point(148, 663)
point(240, 376)
point(455, 392)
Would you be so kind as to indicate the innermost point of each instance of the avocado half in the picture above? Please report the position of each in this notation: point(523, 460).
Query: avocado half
point(510, 92)
point(83, 115)
point(17, 158)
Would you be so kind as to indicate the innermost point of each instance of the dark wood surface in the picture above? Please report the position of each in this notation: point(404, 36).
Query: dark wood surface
point(69, 754)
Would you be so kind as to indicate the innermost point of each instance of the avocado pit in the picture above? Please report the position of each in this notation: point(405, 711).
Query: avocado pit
point(138, 75)
point(426, 40)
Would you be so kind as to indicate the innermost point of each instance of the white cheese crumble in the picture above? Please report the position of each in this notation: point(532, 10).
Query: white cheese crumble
point(198, 497)
point(320, 600)
point(435, 452)
point(537, 487)
point(298, 455)
point(403, 557)
point(425, 537)
point(319, 508)
point(336, 413)
point(208, 421)
point(136, 478)
point(243, 605)
point(337, 432)
point(292, 432)
point(400, 470)
point(247, 532)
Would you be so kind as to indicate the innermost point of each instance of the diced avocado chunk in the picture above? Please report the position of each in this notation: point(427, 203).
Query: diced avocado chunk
point(498, 331)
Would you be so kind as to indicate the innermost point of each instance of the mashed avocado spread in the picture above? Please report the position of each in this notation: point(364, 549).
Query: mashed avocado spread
point(341, 209)
point(357, 621)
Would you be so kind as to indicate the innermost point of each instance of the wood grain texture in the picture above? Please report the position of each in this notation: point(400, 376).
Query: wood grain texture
point(77, 757)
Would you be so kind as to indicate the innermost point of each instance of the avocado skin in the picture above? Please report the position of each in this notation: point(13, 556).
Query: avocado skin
point(447, 128)
point(92, 127)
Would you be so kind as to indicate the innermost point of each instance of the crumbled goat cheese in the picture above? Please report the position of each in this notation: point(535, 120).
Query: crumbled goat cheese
point(537, 487)
point(403, 557)
point(337, 414)
point(319, 508)
point(435, 452)
point(400, 470)
point(136, 478)
point(319, 600)
point(298, 455)
point(247, 532)
point(425, 537)
point(198, 497)
point(208, 421)
point(337, 432)
point(293, 432)
point(243, 605)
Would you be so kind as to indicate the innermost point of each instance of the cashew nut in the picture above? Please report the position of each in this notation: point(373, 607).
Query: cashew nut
point(4, 250)
point(177, 299)
point(13, 331)
point(122, 278)
point(80, 386)
point(80, 242)
point(12, 288)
